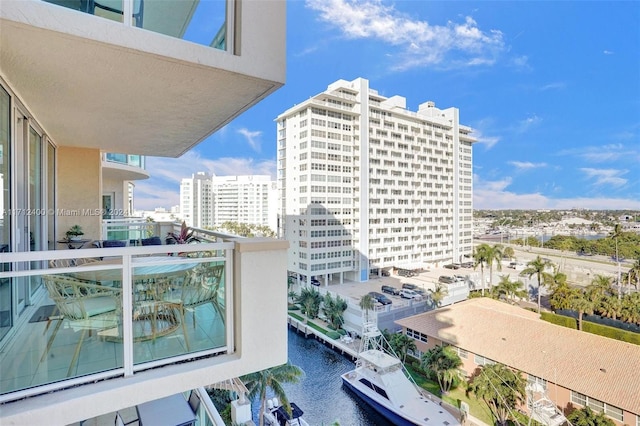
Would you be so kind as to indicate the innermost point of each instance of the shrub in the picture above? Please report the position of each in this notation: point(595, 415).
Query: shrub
point(342, 332)
point(333, 335)
point(611, 332)
point(559, 320)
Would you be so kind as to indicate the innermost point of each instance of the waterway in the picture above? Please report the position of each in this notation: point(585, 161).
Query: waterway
point(320, 393)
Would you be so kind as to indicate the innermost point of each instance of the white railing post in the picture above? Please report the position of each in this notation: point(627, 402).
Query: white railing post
point(127, 319)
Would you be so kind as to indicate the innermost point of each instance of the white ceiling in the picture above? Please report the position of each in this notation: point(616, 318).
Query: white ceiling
point(87, 93)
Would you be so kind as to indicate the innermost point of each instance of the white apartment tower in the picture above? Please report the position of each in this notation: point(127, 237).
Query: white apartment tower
point(195, 200)
point(244, 199)
point(366, 185)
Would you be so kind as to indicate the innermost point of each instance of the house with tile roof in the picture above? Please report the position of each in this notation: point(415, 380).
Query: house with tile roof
point(577, 369)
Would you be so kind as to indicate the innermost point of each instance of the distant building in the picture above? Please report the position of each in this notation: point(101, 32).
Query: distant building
point(576, 369)
point(196, 200)
point(366, 185)
point(210, 201)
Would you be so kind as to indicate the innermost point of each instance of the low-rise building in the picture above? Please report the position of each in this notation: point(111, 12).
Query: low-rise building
point(577, 369)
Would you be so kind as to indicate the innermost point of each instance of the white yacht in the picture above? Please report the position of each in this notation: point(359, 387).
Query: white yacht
point(380, 381)
point(276, 415)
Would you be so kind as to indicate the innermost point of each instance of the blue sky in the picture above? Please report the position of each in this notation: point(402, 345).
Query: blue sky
point(552, 90)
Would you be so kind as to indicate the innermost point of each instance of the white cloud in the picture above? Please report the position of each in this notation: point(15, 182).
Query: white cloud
point(422, 44)
point(526, 165)
point(487, 141)
point(494, 195)
point(253, 138)
point(528, 123)
point(609, 177)
point(608, 52)
point(558, 85)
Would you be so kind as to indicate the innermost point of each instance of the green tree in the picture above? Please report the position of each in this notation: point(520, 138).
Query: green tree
point(630, 311)
point(481, 258)
point(611, 307)
point(445, 365)
point(587, 417)
point(333, 309)
point(272, 378)
point(501, 388)
point(583, 305)
point(438, 294)
point(510, 289)
point(401, 345)
point(509, 253)
point(366, 304)
point(632, 277)
point(309, 301)
point(536, 267)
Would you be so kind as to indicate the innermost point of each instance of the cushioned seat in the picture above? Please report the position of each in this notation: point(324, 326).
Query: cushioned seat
point(114, 243)
point(153, 241)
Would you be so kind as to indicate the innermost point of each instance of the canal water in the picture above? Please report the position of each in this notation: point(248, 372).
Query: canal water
point(320, 393)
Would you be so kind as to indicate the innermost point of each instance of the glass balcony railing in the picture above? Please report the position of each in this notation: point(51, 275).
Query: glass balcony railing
point(198, 21)
point(127, 159)
point(103, 312)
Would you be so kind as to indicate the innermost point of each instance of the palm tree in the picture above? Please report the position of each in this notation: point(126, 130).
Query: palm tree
point(501, 388)
point(562, 296)
point(366, 304)
point(630, 311)
point(583, 305)
point(587, 417)
point(510, 289)
point(438, 294)
point(272, 378)
point(334, 310)
point(563, 245)
point(494, 254)
point(309, 301)
point(480, 258)
point(509, 253)
point(615, 234)
point(445, 364)
point(401, 345)
point(536, 267)
point(611, 307)
point(633, 275)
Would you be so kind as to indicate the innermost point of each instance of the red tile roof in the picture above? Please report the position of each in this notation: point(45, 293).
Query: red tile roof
point(599, 367)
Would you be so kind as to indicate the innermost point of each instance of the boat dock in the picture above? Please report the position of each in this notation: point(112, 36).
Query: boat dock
point(346, 345)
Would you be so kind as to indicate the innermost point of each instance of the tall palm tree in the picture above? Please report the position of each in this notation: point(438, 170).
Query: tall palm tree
point(510, 289)
point(494, 254)
point(309, 300)
point(501, 388)
point(633, 275)
point(445, 364)
point(334, 310)
point(615, 234)
point(272, 378)
point(583, 305)
point(366, 304)
point(480, 258)
point(536, 267)
point(438, 294)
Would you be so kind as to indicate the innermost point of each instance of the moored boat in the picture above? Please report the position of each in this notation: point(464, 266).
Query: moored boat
point(379, 380)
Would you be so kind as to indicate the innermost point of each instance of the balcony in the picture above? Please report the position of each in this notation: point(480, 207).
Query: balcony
point(135, 89)
point(123, 167)
point(116, 327)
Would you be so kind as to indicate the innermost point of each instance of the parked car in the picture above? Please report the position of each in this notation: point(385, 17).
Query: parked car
point(390, 290)
point(385, 273)
point(446, 279)
point(380, 298)
point(467, 265)
point(409, 294)
point(452, 266)
point(413, 287)
point(314, 281)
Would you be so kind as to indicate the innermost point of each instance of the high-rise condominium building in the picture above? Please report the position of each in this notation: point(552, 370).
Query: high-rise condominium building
point(195, 200)
point(244, 199)
point(210, 201)
point(366, 185)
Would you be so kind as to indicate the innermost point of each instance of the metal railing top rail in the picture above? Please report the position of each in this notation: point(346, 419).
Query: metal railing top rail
point(109, 253)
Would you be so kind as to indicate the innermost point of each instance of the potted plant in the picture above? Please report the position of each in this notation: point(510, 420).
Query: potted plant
point(74, 233)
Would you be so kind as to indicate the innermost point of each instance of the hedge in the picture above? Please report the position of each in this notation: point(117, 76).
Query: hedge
point(611, 332)
point(559, 320)
point(333, 335)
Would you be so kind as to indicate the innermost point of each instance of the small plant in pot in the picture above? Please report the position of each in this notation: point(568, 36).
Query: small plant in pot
point(75, 233)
